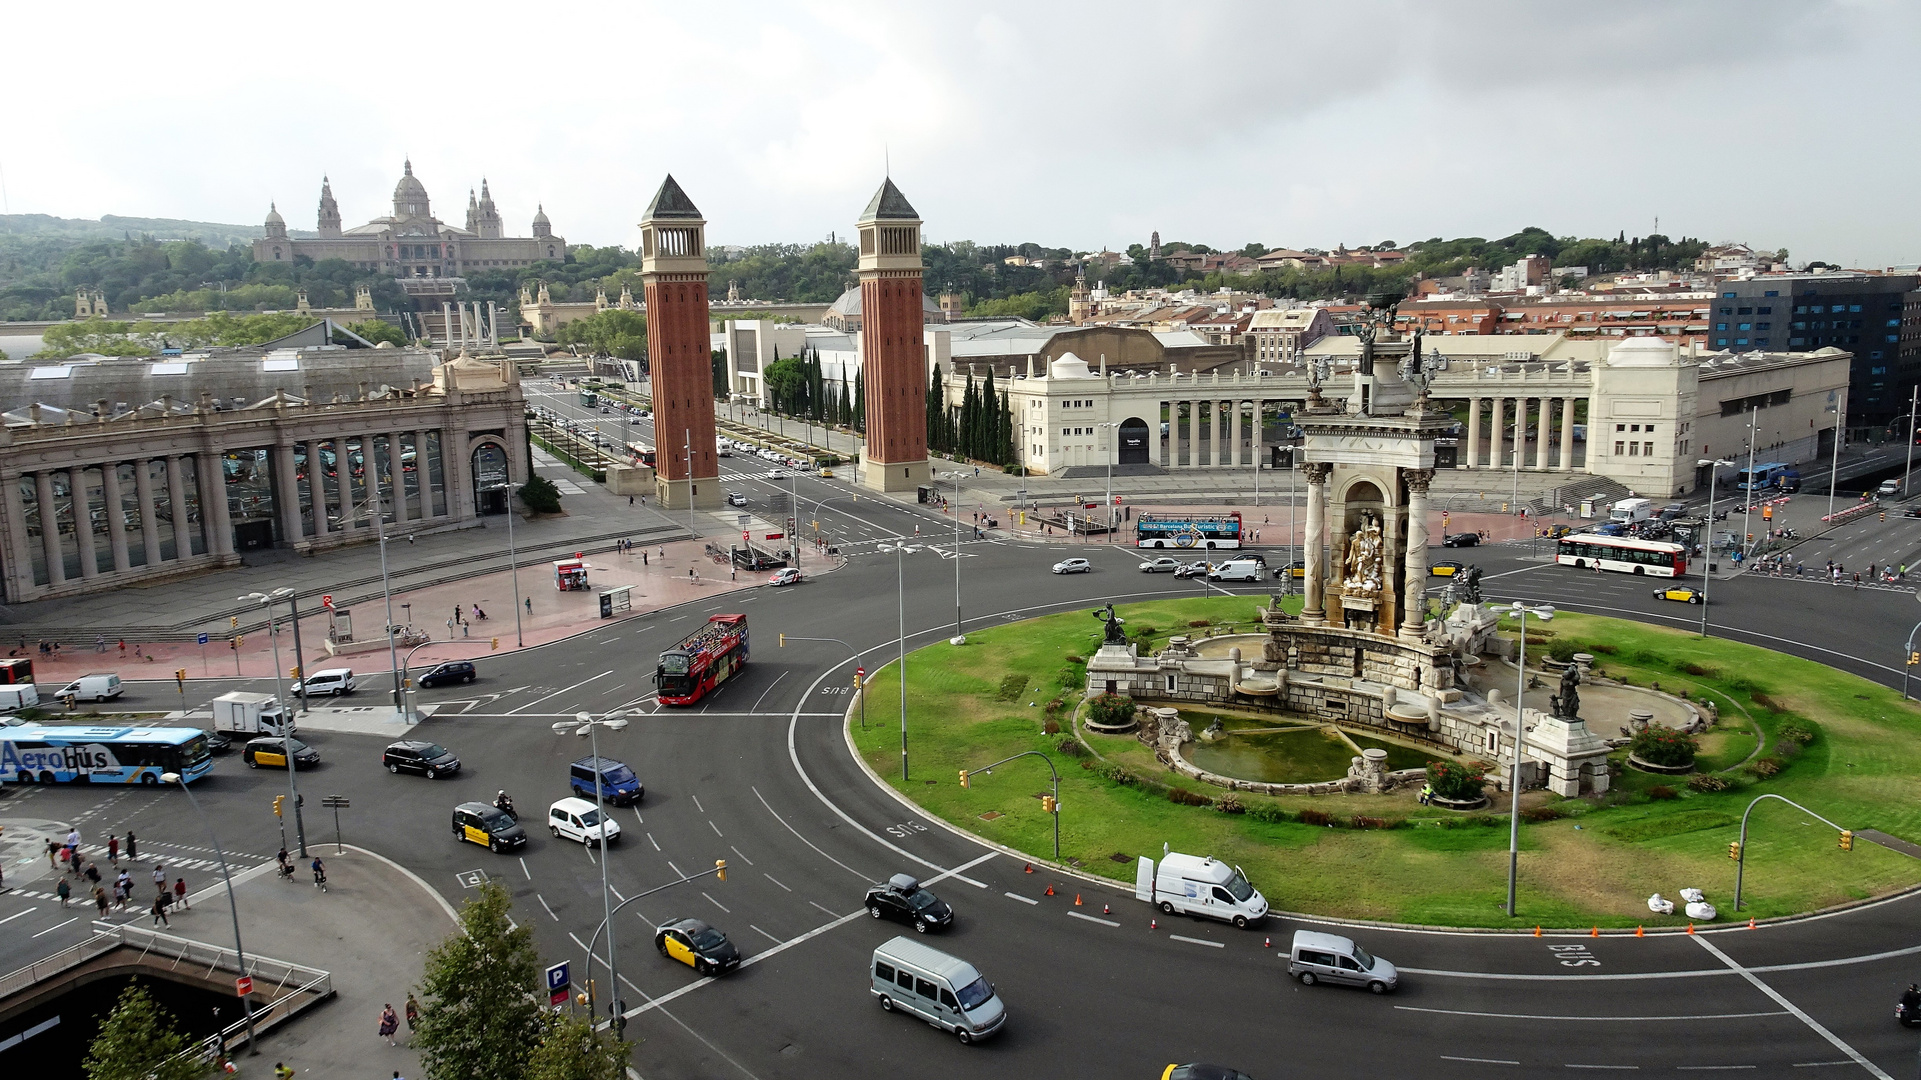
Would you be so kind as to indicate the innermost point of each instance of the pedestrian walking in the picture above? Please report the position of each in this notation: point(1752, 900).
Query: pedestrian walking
point(1857, 581)
point(53, 853)
point(73, 839)
point(180, 894)
point(465, 628)
point(122, 888)
point(413, 1013)
point(62, 890)
point(92, 873)
point(100, 643)
point(630, 500)
point(530, 605)
point(660, 553)
point(113, 850)
point(100, 900)
point(123, 648)
point(643, 558)
point(159, 911)
point(733, 574)
point(133, 846)
point(389, 1023)
point(159, 878)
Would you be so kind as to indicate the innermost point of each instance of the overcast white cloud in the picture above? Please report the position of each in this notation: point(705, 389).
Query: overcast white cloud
point(1781, 124)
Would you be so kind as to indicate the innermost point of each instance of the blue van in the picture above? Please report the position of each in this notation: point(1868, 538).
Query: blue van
point(618, 784)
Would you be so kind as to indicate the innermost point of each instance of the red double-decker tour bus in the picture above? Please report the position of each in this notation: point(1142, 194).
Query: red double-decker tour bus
point(703, 660)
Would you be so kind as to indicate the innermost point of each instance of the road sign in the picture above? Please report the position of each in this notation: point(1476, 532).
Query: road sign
point(557, 983)
point(203, 639)
point(336, 802)
point(327, 601)
point(243, 985)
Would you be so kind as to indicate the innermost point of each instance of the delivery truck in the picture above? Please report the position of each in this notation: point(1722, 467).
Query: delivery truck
point(249, 714)
point(1199, 886)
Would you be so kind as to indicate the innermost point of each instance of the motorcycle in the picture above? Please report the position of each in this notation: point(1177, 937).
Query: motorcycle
point(1907, 1011)
point(505, 805)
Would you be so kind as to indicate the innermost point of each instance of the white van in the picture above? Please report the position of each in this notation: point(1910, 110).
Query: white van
point(18, 696)
point(1198, 886)
point(1629, 511)
point(946, 992)
point(578, 819)
point(94, 686)
point(338, 680)
point(1331, 958)
point(1238, 569)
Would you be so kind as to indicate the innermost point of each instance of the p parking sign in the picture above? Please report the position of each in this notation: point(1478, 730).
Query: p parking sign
point(558, 984)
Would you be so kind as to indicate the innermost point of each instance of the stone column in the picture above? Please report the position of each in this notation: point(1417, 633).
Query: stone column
point(1472, 459)
point(1234, 443)
point(50, 527)
point(19, 567)
point(83, 522)
point(344, 486)
point(149, 524)
point(1174, 433)
point(1214, 432)
point(116, 520)
point(1313, 613)
point(317, 489)
point(1543, 432)
point(1414, 589)
point(424, 480)
point(397, 477)
point(286, 490)
point(1495, 424)
point(177, 500)
point(1567, 433)
point(460, 474)
point(376, 494)
point(214, 514)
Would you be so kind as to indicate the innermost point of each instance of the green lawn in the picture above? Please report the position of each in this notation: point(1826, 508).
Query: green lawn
point(970, 705)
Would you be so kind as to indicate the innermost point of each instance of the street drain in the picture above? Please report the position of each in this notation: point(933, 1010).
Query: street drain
point(990, 815)
point(790, 1050)
point(1118, 857)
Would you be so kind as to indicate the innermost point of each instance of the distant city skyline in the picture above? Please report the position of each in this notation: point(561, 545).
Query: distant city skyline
point(1071, 127)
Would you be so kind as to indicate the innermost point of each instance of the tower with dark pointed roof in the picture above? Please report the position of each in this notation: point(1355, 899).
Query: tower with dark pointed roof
point(487, 222)
point(329, 221)
point(892, 349)
point(673, 271)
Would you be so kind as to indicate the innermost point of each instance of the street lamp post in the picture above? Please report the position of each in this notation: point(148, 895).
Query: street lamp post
point(386, 589)
point(280, 697)
point(958, 638)
point(902, 548)
point(233, 908)
point(1107, 507)
point(513, 555)
point(1544, 612)
point(1747, 507)
point(1713, 463)
point(584, 724)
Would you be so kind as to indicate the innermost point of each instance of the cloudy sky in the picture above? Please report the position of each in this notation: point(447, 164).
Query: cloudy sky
point(1297, 124)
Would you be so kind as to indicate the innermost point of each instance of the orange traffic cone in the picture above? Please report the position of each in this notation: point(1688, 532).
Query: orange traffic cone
point(1153, 924)
point(1596, 932)
point(1077, 899)
point(1750, 922)
point(1050, 890)
point(1690, 928)
point(1030, 868)
point(1537, 931)
point(1639, 932)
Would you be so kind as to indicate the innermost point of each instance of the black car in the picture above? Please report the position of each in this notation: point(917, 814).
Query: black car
point(453, 671)
point(1203, 1072)
point(902, 899)
point(432, 759)
point(697, 945)
point(1462, 540)
point(218, 743)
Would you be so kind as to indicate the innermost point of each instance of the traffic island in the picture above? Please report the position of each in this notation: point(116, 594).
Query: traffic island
point(1837, 743)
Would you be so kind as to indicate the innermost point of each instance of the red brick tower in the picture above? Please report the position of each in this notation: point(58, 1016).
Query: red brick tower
point(892, 344)
point(673, 268)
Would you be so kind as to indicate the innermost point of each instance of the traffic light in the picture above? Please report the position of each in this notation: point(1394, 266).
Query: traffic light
point(238, 640)
point(1734, 850)
point(180, 677)
point(496, 645)
point(1847, 840)
point(295, 673)
point(964, 778)
point(233, 622)
point(1884, 515)
point(720, 869)
point(1914, 658)
point(1048, 805)
point(277, 800)
point(783, 641)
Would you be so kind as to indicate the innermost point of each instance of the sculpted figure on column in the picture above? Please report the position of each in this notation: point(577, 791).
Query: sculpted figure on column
point(1364, 559)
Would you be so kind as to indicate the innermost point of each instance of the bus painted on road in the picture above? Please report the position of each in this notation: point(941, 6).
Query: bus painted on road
point(1622, 554)
point(1187, 530)
point(47, 754)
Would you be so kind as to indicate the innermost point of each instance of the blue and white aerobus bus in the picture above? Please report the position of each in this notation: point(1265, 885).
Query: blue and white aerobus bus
point(47, 754)
point(1187, 530)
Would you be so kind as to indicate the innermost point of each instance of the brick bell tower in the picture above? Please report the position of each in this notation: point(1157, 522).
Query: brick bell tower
point(673, 268)
point(892, 349)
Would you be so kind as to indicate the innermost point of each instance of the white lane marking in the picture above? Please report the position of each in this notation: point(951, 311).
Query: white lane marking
point(1818, 1064)
point(1479, 1061)
point(697, 805)
point(550, 911)
point(1811, 1022)
point(743, 857)
point(716, 829)
point(769, 690)
point(956, 874)
point(810, 843)
point(716, 903)
point(523, 868)
point(1624, 1067)
point(764, 933)
point(770, 877)
point(637, 816)
point(57, 926)
point(1094, 918)
point(1630, 1019)
point(675, 869)
point(750, 961)
point(825, 908)
point(557, 693)
point(651, 840)
point(1712, 1068)
point(1018, 896)
point(1197, 941)
point(17, 914)
point(589, 853)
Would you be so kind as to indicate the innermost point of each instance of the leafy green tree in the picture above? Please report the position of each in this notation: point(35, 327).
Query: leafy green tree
point(480, 1016)
point(379, 330)
point(94, 335)
point(540, 495)
point(570, 1049)
point(138, 1041)
point(609, 333)
point(221, 328)
point(784, 379)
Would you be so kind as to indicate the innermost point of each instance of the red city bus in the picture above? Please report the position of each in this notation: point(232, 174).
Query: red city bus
point(703, 660)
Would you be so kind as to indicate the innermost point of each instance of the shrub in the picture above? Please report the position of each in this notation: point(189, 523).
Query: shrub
point(1453, 780)
point(1662, 792)
point(1543, 813)
point(1699, 671)
point(1184, 797)
point(1765, 701)
point(1316, 817)
point(1665, 746)
point(1602, 648)
point(1197, 623)
point(1268, 812)
point(1051, 727)
point(1229, 803)
point(540, 495)
point(1118, 773)
point(1765, 768)
point(1796, 733)
point(1011, 687)
point(1708, 782)
point(1071, 747)
point(1144, 632)
point(1786, 751)
point(1077, 659)
point(1363, 822)
point(1562, 650)
point(1110, 709)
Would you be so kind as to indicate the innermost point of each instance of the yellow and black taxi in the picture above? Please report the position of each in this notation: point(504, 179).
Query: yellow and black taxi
point(697, 945)
point(272, 752)
point(1449, 568)
point(1202, 1072)
point(1680, 593)
point(489, 826)
point(1296, 569)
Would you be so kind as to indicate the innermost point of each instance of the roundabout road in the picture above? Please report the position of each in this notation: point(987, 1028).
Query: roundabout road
point(760, 775)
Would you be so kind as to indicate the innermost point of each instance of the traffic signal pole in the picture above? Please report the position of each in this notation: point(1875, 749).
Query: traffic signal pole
point(1740, 848)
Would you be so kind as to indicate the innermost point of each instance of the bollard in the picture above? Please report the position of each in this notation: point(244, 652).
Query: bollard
point(1267, 943)
point(1105, 911)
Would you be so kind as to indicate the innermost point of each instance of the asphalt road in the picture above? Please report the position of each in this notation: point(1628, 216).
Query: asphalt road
point(759, 775)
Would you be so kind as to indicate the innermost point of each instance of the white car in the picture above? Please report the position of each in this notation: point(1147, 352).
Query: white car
point(1073, 566)
point(578, 819)
point(735, 498)
point(1166, 564)
point(1193, 569)
point(788, 576)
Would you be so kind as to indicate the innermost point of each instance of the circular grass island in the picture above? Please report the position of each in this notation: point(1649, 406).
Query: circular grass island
point(1845, 747)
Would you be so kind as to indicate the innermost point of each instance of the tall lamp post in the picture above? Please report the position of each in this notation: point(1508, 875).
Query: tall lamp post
point(902, 548)
point(513, 555)
point(280, 696)
point(1107, 507)
point(1713, 463)
point(584, 724)
point(239, 950)
point(387, 590)
point(958, 638)
point(1521, 609)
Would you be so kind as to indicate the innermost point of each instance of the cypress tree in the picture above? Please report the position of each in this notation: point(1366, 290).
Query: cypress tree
point(970, 409)
point(860, 401)
point(846, 406)
point(989, 446)
point(934, 411)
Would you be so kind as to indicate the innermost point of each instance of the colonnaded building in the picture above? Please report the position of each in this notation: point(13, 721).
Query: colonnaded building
point(411, 242)
point(121, 470)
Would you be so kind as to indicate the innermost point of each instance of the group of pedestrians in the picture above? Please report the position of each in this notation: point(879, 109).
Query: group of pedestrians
point(87, 877)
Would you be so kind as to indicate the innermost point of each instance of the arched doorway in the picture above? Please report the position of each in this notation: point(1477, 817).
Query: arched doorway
point(490, 478)
point(1133, 448)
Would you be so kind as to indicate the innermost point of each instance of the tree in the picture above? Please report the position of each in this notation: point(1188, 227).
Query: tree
point(222, 328)
point(609, 333)
point(379, 330)
point(480, 1016)
point(540, 495)
point(784, 379)
point(570, 1049)
point(138, 1041)
point(722, 391)
point(936, 439)
point(94, 335)
point(860, 401)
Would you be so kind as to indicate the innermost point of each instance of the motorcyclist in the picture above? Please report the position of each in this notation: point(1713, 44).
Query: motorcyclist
point(1909, 1009)
point(505, 805)
point(286, 867)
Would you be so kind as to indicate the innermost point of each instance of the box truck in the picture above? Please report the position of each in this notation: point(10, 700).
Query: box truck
point(1629, 511)
point(249, 714)
point(1198, 886)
